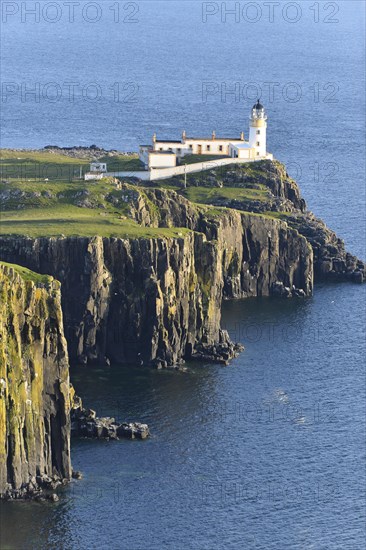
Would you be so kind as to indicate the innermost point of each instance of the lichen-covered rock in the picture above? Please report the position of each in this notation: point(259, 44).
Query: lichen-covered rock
point(34, 386)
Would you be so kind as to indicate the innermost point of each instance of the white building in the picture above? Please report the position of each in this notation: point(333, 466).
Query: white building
point(98, 167)
point(164, 153)
point(157, 159)
point(97, 171)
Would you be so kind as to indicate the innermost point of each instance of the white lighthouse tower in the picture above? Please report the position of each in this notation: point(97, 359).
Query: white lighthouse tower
point(258, 130)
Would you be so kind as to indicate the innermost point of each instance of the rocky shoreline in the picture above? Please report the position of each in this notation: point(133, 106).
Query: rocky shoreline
point(39, 488)
point(331, 259)
point(38, 406)
point(86, 423)
point(157, 300)
point(222, 353)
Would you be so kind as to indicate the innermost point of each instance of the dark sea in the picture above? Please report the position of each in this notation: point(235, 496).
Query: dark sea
point(268, 453)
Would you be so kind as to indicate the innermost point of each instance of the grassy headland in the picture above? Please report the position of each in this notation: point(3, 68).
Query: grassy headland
point(28, 275)
point(42, 194)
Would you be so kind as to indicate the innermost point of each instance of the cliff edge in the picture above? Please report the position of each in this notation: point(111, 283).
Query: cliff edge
point(144, 267)
point(158, 300)
point(34, 385)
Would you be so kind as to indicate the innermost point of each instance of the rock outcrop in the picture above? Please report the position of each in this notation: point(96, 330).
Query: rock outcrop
point(34, 385)
point(283, 192)
point(283, 200)
point(86, 423)
point(332, 262)
point(259, 253)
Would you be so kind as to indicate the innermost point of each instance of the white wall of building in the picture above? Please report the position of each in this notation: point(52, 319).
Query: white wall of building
point(237, 151)
point(161, 160)
point(94, 176)
point(141, 174)
point(245, 153)
point(98, 167)
point(196, 147)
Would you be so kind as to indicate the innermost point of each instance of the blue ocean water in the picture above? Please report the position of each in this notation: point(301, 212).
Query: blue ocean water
point(268, 453)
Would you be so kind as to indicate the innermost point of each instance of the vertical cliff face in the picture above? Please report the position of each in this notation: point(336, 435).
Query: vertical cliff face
point(261, 256)
point(138, 300)
point(158, 311)
point(78, 263)
point(331, 259)
point(158, 300)
point(34, 383)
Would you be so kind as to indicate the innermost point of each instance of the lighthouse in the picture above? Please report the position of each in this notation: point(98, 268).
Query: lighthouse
point(258, 130)
point(166, 157)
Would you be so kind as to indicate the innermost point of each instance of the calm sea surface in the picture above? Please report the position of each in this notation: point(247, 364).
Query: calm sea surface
point(267, 453)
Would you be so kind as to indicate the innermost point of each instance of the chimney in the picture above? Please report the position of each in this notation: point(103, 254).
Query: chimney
point(214, 135)
point(242, 136)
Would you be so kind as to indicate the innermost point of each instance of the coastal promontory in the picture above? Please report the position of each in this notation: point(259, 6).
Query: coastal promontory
point(144, 266)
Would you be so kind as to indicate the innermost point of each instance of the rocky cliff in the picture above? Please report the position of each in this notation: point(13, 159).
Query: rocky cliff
point(158, 300)
point(34, 384)
point(281, 198)
point(332, 262)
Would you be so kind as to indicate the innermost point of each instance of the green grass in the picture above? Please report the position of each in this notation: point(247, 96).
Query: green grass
point(169, 185)
point(40, 165)
point(37, 208)
point(56, 167)
point(73, 221)
point(42, 156)
point(209, 195)
point(242, 176)
point(123, 163)
point(40, 194)
point(29, 275)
